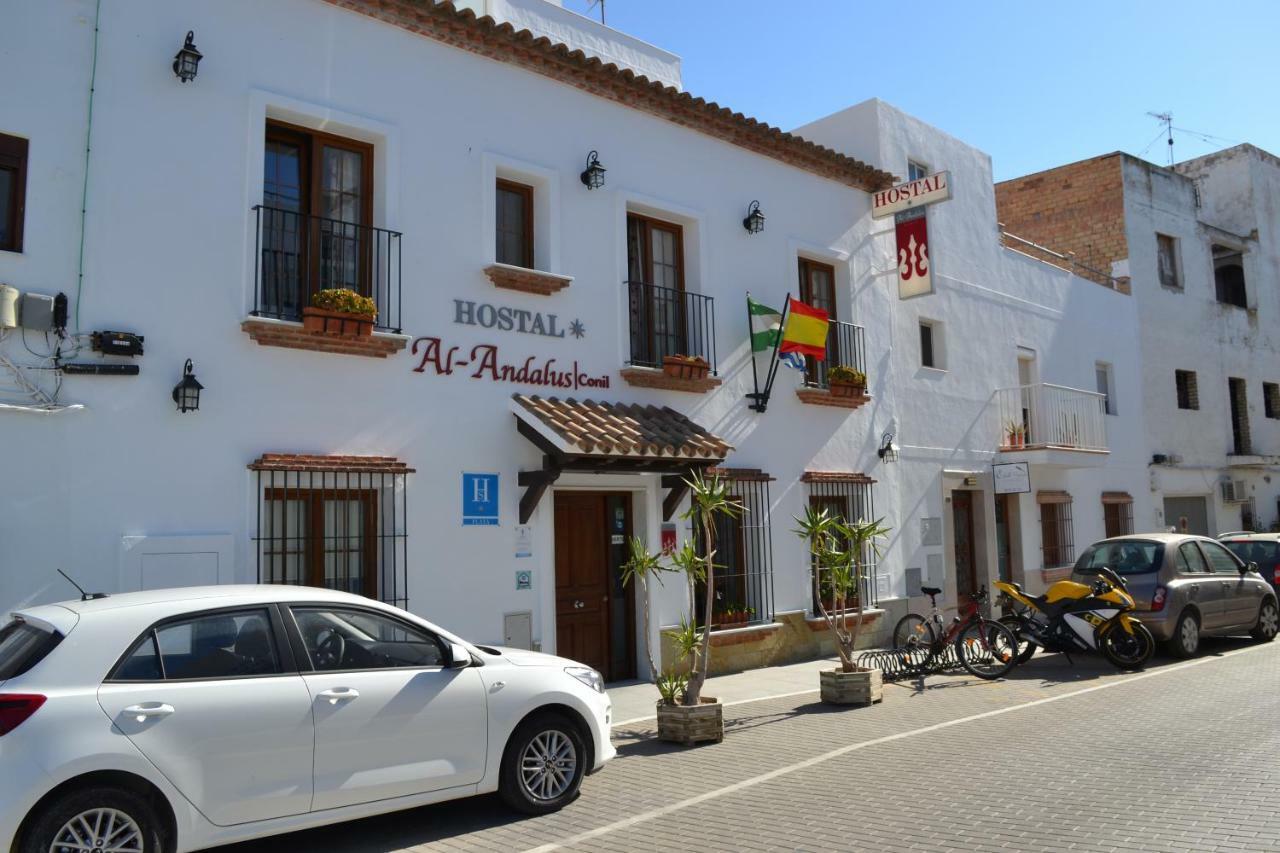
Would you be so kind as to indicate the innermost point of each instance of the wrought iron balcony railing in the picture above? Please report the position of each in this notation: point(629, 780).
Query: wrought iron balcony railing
point(846, 346)
point(299, 254)
point(667, 321)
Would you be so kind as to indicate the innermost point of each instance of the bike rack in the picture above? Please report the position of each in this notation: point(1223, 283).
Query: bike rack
point(904, 663)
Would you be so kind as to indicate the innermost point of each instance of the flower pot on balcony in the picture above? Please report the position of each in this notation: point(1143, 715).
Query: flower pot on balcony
point(685, 367)
point(337, 323)
point(862, 687)
point(846, 388)
point(690, 724)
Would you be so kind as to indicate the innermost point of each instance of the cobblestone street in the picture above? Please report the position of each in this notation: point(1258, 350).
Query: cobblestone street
point(1055, 758)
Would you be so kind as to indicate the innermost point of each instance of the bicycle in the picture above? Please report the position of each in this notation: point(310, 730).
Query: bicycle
point(984, 647)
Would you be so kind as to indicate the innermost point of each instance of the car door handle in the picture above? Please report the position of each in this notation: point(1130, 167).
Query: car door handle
point(149, 709)
point(339, 694)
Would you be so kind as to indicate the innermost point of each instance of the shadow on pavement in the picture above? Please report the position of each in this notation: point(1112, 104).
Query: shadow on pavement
point(388, 833)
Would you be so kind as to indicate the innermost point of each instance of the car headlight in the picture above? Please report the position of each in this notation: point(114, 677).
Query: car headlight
point(587, 676)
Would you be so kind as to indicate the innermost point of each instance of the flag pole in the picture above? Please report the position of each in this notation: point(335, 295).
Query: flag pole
point(755, 378)
point(773, 363)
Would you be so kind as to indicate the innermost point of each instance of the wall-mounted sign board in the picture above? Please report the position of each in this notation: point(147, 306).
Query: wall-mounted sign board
point(927, 190)
point(1012, 478)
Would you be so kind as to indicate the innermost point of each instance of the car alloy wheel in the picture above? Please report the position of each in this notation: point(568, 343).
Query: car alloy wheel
point(1268, 622)
point(548, 765)
point(99, 831)
point(1188, 635)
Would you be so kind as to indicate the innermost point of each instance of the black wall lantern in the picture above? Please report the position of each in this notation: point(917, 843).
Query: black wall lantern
point(754, 223)
point(187, 60)
point(888, 451)
point(593, 175)
point(187, 392)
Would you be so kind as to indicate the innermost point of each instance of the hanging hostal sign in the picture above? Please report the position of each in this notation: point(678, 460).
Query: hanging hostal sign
point(908, 203)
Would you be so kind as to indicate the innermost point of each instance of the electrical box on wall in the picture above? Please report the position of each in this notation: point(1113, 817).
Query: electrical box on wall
point(37, 312)
point(117, 343)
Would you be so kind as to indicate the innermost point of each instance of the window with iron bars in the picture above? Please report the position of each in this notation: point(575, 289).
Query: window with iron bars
point(849, 498)
point(333, 522)
point(1117, 514)
point(743, 551)
point(1057, 539)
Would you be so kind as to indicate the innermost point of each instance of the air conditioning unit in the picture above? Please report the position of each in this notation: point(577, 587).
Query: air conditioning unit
point(1234, 491)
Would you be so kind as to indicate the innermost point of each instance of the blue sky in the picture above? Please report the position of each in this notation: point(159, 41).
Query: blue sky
point(1034, 84)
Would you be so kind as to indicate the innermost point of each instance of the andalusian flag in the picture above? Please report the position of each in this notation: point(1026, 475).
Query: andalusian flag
point(766, 325)
point(806, 330)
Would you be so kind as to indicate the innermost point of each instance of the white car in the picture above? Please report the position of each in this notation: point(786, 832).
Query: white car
point(180, 719)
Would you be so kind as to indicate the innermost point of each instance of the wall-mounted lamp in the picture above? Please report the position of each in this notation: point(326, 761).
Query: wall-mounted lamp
point(187, 60)
point(888, 451)
point(754, 223)
point(187, 392)
point(593, 175)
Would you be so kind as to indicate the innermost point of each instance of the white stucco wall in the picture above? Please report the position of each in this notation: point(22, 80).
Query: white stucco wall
point(990, 301)
point(175, 171)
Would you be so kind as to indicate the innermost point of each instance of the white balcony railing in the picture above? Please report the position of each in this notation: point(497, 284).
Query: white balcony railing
point(1051, 416)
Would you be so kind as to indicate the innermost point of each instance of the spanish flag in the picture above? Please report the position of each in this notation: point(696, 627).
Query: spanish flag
point(806, 330)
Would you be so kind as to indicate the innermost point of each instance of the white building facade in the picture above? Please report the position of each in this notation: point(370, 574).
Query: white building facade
point(450, 461)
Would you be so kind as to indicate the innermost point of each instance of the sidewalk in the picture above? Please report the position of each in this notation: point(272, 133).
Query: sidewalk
point(635, 700)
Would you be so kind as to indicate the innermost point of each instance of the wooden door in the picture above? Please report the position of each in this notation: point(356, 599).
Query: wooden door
point(582, 579)
point(962, 524)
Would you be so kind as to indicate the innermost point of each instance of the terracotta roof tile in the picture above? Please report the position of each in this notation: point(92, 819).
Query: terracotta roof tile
point(835, 477)
point(621, 429)
point(443, 22)
point(338, 463)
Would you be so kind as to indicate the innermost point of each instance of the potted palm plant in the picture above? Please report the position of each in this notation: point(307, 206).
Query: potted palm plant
point(846, 381)
point(838, 559)
point(340, 311)
point(641, 567)
point(1016, 434)
point(685, 366)
point(686, 716)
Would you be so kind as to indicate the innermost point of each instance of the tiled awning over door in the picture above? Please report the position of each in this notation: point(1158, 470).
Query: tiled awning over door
point(611, 437)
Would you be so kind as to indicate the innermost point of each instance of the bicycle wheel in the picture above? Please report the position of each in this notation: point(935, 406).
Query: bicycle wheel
point(913, 634)
point(987, 649)
point(1025, 646)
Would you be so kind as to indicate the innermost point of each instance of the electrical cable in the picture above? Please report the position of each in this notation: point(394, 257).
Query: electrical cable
point(88, 138)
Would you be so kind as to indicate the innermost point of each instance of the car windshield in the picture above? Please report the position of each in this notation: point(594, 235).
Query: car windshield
point(1255, 551)
point(22, 646)
point(1129, 557)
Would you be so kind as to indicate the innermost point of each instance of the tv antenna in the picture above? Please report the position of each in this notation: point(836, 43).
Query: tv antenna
point(595, 3)
point(1168, 121)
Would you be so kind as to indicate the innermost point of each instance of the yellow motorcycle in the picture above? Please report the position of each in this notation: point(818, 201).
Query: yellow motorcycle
point(1075, 617)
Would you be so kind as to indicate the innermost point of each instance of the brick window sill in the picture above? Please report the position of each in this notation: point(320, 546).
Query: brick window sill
point(651, 377)
point(289, 335)
point(869, 616)
point(526, 280)
point(823, 397)
point(745, 634)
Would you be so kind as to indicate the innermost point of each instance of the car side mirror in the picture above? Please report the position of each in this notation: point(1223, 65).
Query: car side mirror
point(1251, 567)
point(459, 657)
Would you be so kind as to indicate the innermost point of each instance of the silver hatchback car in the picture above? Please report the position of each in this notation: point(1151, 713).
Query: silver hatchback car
point(1187, 587)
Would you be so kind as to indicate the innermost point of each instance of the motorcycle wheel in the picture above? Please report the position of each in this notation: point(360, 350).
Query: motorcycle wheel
point(1128, 651)
point(1025, 646)
point(987, 649)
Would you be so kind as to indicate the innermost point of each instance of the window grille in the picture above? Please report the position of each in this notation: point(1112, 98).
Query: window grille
point(1188, 390)
point(337, 522)
point(1057, 539)
point(848, 497)
point(1117, 514)
point(743, 549)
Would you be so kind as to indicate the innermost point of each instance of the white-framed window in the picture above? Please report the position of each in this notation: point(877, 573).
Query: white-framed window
point(1106, 386)
point(1167, 264)
point(932, 340)
point(916, 170)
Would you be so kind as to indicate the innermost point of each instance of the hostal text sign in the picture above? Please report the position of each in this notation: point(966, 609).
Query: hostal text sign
point(484, 361)
point(907, 203)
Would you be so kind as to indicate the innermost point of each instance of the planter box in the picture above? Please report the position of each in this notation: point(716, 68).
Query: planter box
point(851, 688)
point(338, 323)
point(685, 368)
point(690, 724)
point(846, 389)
